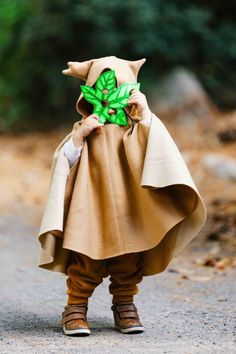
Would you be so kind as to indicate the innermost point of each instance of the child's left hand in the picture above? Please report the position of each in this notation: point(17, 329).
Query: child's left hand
point(138, 98)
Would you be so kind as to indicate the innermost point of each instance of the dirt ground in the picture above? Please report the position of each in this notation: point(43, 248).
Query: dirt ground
point(190, 308)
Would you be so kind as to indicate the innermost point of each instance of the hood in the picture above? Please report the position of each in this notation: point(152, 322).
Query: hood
point(89, 71)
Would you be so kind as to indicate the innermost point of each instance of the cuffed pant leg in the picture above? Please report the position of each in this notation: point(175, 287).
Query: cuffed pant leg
point(84, 275)
point(125, 273)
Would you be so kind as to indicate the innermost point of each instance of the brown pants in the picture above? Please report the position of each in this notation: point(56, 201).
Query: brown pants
point(85, 274)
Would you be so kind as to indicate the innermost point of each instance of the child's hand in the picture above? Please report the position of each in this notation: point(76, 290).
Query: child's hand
point(138, 98)
point(85, 128)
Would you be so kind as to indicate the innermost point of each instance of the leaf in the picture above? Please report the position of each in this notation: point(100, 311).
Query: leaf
point(102, 118)
point(102, 112)
point(106, 81)
point(121, 117)
point(118, 118)
point(97, 108)
point(99, 95)
point(90, 94)
point(119, 97)
point(105, 115)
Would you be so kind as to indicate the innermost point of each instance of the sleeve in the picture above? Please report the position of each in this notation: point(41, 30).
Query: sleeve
point(146, 122)
point(71, 152)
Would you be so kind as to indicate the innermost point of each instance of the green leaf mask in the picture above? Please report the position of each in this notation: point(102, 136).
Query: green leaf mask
point(107, 100)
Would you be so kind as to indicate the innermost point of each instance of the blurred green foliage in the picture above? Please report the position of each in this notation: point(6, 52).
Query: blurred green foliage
point(38, 37)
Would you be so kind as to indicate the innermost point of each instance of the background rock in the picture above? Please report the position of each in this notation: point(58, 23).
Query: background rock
point(221, 165)
point(181, 96)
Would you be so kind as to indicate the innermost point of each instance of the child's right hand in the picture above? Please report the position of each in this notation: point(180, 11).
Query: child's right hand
point(85, 128)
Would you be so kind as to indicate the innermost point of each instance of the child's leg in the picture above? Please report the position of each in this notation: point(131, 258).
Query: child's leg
point(125, 272)
point(84, 275)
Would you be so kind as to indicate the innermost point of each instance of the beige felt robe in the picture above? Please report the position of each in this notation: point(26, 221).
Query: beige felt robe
point(163, 212)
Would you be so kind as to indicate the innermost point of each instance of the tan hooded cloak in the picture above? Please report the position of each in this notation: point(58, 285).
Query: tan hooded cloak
point(129, 192)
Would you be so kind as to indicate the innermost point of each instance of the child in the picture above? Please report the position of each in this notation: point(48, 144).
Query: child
point(121, 203)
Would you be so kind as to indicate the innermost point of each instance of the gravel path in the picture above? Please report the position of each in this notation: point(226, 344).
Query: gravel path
point(185, 310)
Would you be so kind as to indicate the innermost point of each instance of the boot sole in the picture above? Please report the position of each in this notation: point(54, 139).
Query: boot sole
point(131, 330)
point(77, 331)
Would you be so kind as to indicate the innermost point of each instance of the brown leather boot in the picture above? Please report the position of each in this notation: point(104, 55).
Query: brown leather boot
point(126, 318)
point(74, 320)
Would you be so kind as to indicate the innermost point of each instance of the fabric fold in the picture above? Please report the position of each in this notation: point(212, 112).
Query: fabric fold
point(139, 193)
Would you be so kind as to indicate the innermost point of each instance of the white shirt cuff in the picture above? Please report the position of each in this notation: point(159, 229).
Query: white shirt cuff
point(146, 122)
point(71, 152)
